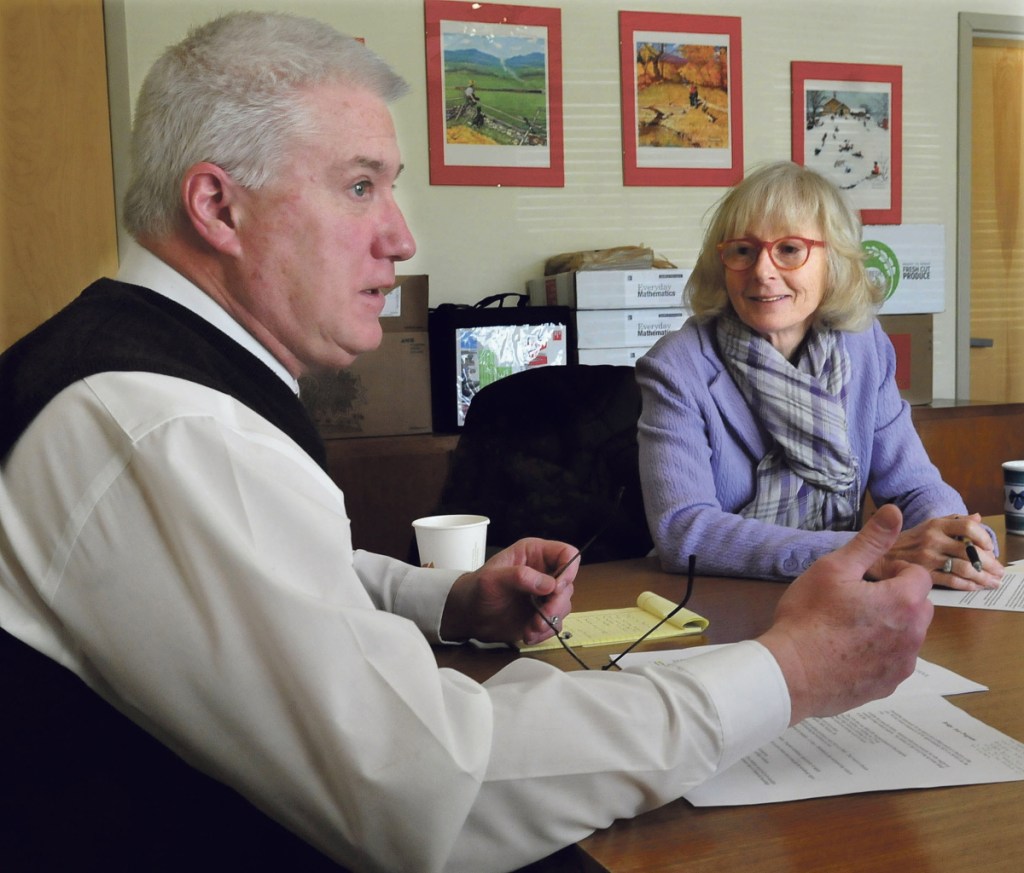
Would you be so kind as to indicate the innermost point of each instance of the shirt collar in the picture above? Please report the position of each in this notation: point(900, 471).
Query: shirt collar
point(140, 266)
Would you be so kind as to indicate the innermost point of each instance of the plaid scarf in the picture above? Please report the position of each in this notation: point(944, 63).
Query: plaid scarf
point(810, 479)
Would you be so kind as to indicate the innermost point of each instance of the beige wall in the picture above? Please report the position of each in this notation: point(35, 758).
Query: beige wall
point(477, 241)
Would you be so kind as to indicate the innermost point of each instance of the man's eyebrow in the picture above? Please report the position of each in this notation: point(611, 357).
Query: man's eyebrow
point(377, 166)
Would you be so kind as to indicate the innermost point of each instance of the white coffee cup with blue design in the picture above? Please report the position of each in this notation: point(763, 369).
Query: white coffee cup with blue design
point(1013, 504)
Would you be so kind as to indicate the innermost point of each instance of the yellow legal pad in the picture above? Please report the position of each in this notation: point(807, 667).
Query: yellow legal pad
point(609, 627)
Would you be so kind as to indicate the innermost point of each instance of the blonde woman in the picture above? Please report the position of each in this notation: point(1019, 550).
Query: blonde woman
point(772, 412)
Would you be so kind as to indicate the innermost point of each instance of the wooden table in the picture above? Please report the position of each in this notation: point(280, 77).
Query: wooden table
point(962, 828)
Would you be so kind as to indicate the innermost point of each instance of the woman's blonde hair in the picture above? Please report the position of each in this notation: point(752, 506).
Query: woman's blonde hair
point(787, 195)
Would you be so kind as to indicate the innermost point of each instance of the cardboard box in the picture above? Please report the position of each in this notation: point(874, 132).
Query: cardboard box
point(406, 305)
point(630, 289)
point(556, 290)
point(625, 328)
point(911, 337)
point(610, 289)
point(616, 357)
point(386, 392)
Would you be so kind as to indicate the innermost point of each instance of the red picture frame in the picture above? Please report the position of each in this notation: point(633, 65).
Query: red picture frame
point(682, 99)
point(848, 125)
point(494, 94)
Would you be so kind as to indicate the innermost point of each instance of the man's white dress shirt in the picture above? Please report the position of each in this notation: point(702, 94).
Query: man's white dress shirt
point(195, 567)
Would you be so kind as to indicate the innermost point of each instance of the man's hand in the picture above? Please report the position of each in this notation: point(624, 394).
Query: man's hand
point(496, 602)
point(842, 641)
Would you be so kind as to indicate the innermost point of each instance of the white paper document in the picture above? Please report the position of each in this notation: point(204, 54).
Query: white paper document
point(908, 741)
point(1009, 596)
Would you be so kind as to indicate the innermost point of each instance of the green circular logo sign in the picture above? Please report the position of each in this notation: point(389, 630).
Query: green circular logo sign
point(882, 265)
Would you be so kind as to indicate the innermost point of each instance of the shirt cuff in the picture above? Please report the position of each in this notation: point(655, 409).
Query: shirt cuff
point(742, 679)
point(422, 596)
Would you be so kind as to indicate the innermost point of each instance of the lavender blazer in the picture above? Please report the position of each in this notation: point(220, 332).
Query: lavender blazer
point(700, 445)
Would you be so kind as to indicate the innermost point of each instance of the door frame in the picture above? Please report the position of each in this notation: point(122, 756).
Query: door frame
point(971, 25)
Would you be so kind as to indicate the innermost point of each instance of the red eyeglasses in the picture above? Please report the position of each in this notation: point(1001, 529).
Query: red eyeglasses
point(787, 252)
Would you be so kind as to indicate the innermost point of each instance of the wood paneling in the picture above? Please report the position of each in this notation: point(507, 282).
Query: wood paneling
point(57, 225)
point(968, 443)
point(388, 482)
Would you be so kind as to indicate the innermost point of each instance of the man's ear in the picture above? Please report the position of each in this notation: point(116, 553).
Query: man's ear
point(210, 198)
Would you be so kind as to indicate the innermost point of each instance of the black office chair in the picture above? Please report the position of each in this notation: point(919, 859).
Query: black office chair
point(545, 453)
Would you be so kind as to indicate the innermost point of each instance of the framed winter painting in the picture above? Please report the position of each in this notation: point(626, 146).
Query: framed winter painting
point(848, 125)
point(682, 99)
point(494, 94)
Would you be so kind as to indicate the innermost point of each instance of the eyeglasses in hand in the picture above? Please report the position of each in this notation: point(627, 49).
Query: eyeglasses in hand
point(691, 571)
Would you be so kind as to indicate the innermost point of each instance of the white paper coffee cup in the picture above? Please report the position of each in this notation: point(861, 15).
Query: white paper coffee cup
point(451, 542)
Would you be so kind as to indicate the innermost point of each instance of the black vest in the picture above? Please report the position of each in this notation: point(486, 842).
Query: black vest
point(83, 787)
point(117, 327)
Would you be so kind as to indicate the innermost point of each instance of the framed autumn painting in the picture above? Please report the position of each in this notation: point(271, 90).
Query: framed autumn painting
point(682, 99)
point(494, 94)
point(848, 125)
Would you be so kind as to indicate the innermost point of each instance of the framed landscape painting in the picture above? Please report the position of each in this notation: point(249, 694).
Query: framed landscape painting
point(682, 99)
point(494, 94)
point(848, 125)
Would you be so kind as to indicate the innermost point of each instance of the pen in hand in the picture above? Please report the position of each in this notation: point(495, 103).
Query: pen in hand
point(972, 554)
